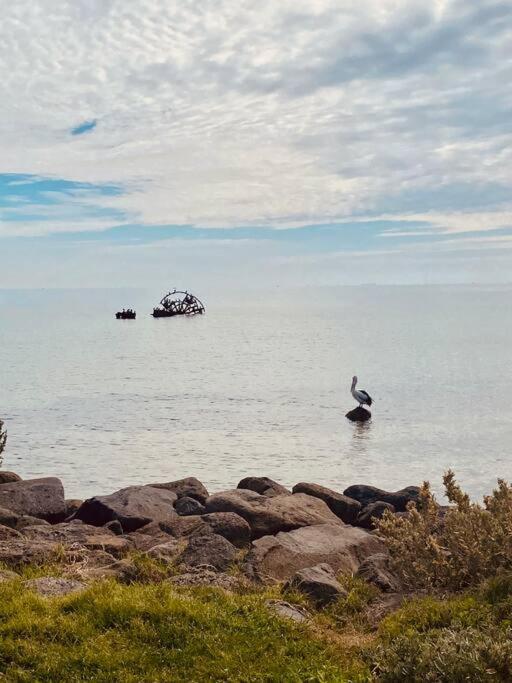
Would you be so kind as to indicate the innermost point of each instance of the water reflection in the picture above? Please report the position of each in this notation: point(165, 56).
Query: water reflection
point(361, 438)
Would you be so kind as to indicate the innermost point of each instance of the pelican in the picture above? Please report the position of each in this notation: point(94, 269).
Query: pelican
point(361, 396)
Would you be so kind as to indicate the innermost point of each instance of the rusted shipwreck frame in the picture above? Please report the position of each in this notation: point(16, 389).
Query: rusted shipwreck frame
point(178, 303)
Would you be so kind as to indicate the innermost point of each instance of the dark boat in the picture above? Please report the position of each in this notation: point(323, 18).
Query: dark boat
point(178, 303)
point(126, 315)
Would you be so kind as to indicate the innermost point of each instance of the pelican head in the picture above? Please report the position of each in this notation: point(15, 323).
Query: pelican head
point(354, 380)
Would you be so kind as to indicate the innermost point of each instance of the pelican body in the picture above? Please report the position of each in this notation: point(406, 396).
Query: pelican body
point(361, 396)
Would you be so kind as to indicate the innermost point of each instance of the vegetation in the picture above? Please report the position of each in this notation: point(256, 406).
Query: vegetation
point(3, 440)
point(154, 632)
point(455, 548)
point(463, 638)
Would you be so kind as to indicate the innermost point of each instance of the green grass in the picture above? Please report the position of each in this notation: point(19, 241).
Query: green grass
point(156, 632)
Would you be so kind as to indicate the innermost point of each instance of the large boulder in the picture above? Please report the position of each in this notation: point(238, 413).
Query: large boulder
point(133, 507)
point(372, 512)
point(375, 569)
point(36, 497)
point(211, 550)
point(343, 547)
point(22, 551)
point(319, 583)
point(7, 532)
point(78, 534)
point(269, 515)
point(263, 485)
point(189, 487)
point(347, 509)
point(370, 494)
point(229, 525)
point(54, 586)
point(188, 506)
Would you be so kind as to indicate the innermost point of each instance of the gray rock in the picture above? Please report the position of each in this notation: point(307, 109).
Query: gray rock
point(359, 414)
point(343, 547)
point(52, 586)
point(286, 610)
point(123, 570)
point(263, 486)
point(7, 532)
point(231, 526)
point(8, 477)
point(370, 494)
point(133, 507)
point(347, 509)
point(115, 527)
point(189, 487)
point(167, 552)
point(319, 583)
point(269, 515)
point(35, 497)
point(371, 512)
point(202, 576)
point(188, 506)
point(16, 552)
point(78, 534)
point(8, 518)
point(26, 520)
point(375, 569)
point(211, 550)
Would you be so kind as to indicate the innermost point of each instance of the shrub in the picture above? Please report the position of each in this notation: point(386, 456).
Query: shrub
point(3, 440)
point(452, 549)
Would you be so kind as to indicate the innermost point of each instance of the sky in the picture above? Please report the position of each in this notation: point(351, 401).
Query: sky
point(148, 142)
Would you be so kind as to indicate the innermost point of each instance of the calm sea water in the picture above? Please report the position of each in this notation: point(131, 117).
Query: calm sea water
point(259, 385)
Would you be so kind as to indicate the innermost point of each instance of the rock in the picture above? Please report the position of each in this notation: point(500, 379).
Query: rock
point(359, 414)
point(26, 520)
point(115, 527)
point(133, 507)
point(202, 576)
point(22, 551)
point(285, 610)
point(53, 587)
point(84, 535)
point(168, 551)
point(189, 488)
point(211, 550)
point(8, 518)
point(7, 532)
point(371, 512)
point(263, 486)
point(6, 575)
point(270, 515)
point(189, 506)
point(36, 497)
point(347, 509)
point(375, 569)
point(72, 505)
point(124, 571)
point(370, 494)
point(343, 547)
point(231, 526)
point(8, 477)
point(319, 583)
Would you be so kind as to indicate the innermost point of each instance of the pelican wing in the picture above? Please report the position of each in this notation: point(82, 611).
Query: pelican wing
point(366, 395)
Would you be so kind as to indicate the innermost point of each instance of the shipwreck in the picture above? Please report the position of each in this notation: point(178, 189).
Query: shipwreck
point(178, 303)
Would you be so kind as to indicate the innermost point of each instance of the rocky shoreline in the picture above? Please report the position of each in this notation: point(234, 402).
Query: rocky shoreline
point(268, 533)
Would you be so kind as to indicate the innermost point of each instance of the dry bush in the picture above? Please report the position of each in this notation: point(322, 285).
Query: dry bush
point(454, 548)
point(3, 439)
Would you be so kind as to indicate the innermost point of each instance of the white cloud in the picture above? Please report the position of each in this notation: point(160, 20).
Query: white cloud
point(224, 113)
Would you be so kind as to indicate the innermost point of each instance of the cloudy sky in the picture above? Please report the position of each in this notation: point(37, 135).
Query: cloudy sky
point(325, 141)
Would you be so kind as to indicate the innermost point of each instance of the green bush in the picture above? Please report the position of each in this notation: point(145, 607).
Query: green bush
point(448, 640)
point(453, 549)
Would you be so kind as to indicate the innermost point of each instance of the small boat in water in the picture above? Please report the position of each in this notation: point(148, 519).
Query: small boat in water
point(178, 303)
point(126, 315)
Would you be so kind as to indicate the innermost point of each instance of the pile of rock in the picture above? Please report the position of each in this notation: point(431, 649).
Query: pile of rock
point(304, 536)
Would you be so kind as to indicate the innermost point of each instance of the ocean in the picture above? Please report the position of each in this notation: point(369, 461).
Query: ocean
point(259, 386)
